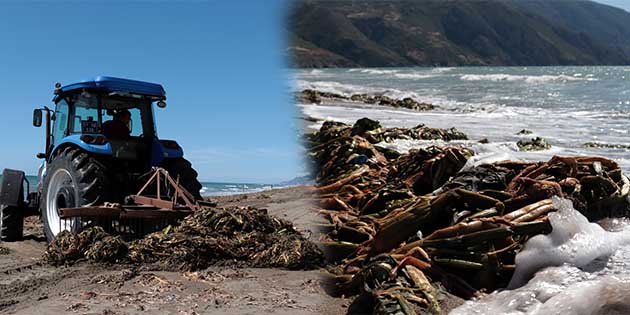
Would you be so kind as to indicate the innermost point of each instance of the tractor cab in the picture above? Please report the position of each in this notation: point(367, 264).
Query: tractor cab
point(110, 117)
point(101, 146)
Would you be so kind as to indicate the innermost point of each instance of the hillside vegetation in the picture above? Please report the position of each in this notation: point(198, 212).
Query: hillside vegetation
point(346, 33)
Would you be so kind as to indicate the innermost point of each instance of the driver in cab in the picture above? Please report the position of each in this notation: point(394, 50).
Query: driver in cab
point(117, 128)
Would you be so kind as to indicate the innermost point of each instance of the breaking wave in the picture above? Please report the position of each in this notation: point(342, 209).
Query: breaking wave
point(373, 71)
point(578, 268)
point(413, 76)
point(524, 78)
point(225, 189)
point(349, 89)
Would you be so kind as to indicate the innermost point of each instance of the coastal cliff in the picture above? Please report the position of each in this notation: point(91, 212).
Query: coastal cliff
point(457, 33)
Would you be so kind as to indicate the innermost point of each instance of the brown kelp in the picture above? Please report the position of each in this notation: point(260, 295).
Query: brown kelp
point(405, 229)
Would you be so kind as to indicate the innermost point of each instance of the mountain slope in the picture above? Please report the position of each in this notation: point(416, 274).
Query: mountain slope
point(457, 32)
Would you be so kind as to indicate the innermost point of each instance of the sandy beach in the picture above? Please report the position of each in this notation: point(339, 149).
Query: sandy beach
point(29, 286)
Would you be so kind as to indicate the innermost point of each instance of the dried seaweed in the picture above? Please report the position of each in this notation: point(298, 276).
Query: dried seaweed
point(211, 236)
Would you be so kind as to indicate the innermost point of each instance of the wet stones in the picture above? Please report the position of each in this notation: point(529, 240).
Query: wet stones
point(364, 125)
point(317, 97)
point(535, 144)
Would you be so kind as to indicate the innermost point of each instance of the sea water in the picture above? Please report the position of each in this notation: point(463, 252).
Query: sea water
point(208, 188)
point(579, 268)
point(568, 106)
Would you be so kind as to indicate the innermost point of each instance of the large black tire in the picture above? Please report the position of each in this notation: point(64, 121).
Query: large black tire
point(74, 178)
point(180, 167)
point(11, 224)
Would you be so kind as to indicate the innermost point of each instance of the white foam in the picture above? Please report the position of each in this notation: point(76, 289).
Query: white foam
point(413, 76)
point(373, 71)
point(525, 78)
point(330, 87)
point(579, 268)
point(485, 153)
point(442, 69)
point(573, 240)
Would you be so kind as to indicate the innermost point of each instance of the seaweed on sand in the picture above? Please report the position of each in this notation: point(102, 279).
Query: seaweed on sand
point(211, 236)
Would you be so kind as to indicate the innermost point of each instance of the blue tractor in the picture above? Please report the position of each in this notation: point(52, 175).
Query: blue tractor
point(101, 145)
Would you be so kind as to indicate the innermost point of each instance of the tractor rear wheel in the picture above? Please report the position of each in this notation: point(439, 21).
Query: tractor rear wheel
point(73, 179)
point(11, 223)
point(182, 169)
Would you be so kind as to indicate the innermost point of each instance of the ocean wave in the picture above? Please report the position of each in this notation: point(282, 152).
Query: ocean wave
point(331, 87)
point(442, 69)
point(226, 190)
point(373, 71)
point(484, 153)
point(523, 78)
point(398, 74)
point(350, 89)
point(414, 76)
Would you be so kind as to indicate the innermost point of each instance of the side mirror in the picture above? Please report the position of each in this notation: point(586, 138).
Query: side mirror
point(37, 118)
point(161, 104)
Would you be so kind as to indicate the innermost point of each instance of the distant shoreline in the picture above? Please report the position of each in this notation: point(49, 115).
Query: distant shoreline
point(209, 188)
point(459, 66)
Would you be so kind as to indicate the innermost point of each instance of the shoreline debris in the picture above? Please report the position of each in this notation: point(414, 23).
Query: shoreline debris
point(211, 236)
point(606, 145)
point(534, 144)
point(317, 97)
point(406, 230)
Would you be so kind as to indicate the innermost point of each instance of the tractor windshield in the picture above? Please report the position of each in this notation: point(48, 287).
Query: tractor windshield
point(116, 117)
point(134, 124)
point(134, 114)
point(85, 115)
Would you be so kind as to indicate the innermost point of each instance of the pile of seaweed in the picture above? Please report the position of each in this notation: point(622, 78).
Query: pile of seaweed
point(316, 97)
point(211, 236)
point(409, 231)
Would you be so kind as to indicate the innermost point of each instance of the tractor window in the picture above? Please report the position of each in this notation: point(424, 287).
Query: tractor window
point(135, 124)
point(85, 120)
point(61, 122)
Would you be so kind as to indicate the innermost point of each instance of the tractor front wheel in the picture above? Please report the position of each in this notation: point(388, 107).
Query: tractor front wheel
point(73, 179)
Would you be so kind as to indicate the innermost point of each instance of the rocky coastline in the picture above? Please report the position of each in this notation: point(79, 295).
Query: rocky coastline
point(309, 96)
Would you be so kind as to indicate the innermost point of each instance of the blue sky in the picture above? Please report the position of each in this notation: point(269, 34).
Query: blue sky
point(624, 4)
point(221, 62)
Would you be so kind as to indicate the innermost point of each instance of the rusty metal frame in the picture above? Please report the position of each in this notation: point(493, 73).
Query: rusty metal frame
point(148, 207)
point(180, 192)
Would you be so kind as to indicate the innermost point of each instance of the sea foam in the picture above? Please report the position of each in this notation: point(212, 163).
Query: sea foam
point(525, 78)
point(578, 268)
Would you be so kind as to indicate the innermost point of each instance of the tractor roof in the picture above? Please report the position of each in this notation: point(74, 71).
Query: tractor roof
point(111, 84)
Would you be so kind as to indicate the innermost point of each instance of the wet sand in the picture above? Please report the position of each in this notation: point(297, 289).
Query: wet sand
point(28, 286)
